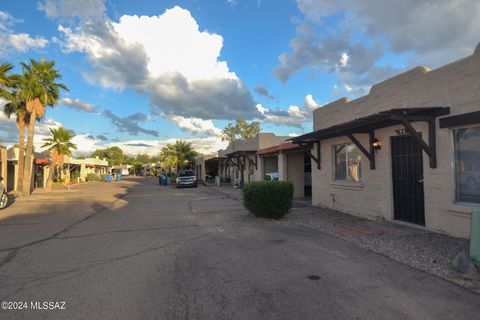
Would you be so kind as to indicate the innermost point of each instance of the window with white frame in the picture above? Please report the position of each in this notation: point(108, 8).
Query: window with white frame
point(467, 164)
point(347, 160)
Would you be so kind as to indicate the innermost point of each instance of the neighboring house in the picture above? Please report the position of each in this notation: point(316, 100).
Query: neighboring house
point(408, 151)
point(80, 168)
point(207, 166)
point(240, 162)
point(123, 169)
point(151, 169)
point(4, 166)
point(40, 169)
point(292, 162)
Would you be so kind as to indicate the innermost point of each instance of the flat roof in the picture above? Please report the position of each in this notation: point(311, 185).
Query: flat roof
point(278, 148)
point(375, 121)
point(240, 152)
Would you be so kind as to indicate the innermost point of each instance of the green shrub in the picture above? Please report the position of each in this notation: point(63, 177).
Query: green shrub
point(268, 199)
point(93, 177)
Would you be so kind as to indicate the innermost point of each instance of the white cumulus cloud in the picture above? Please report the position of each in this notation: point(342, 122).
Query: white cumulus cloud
point(16, 42)
point(181, 71)
point(72, 8)
point(78, 104)
point(196, 125)
point(294, 116)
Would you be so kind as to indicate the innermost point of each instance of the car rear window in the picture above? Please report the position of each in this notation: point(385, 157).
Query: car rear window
point(186, 174)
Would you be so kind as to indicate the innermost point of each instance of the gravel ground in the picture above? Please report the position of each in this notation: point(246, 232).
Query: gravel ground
point(424, 250)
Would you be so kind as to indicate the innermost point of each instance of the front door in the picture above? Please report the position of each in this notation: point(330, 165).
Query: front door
point(407, 172)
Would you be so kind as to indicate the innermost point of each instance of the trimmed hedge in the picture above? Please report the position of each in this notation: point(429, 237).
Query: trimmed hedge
point(268, 199)
point(93, 177)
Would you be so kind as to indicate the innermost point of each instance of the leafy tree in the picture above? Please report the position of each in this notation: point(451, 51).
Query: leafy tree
point(142, 158)
point(114, 155)
point(39, 89)
point(241, 129)
point(137, 168)
point(128, 160)
point(178, 155)
point(156, 158)
point(59, 146)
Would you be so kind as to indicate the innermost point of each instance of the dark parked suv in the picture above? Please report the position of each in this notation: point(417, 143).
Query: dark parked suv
point(186, 178)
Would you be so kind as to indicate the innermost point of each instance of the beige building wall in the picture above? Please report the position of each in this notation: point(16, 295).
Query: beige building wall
point(295, 173)
point(260, 141)
point(455, 85)
point(282, 167)
point(200, 167)
point(3, 166)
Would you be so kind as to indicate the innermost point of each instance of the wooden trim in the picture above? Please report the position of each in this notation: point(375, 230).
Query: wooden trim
point(430, 148)
point(370, 155)
point(307, 149)
point(460, 120)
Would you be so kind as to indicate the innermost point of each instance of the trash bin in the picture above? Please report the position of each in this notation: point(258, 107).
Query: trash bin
point(119, 177)
point(164, 180)
point(108, 178)
point(475, 237)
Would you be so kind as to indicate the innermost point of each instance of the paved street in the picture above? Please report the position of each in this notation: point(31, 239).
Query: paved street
point(137, 250)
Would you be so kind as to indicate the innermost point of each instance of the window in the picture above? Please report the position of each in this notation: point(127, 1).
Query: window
point(347, 163)
point(467, 164)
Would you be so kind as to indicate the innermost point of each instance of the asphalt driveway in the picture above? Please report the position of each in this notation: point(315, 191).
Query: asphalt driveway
point(137, 250)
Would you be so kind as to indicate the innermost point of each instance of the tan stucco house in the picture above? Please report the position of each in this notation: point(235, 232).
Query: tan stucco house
point(239, 162)
point(292, 162)
point(407, 151)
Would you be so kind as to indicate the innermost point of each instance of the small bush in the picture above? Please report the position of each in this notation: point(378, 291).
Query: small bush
point(268, 199)
point(93, 177)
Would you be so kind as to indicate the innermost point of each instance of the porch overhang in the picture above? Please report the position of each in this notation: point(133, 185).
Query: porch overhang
point(368, 125)
point(238, 158)
point(286, 147)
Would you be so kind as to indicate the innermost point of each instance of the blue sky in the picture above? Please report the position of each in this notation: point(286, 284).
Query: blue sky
point(186, 68)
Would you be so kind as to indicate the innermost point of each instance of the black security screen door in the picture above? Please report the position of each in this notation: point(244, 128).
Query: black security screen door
point(407, 172)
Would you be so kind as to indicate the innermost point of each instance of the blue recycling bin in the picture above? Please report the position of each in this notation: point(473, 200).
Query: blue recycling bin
point(164, 180)
point(108, 178)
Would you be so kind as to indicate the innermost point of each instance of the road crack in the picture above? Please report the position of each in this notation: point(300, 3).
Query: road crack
point(82, 269)
point(14, 250)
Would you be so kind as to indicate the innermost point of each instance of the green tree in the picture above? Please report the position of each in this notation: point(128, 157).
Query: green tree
point(142, 158)
point(114, 155)
point(137, 168)
point(39, 89)
point(241, 129)
point(59, 146)
point(178, 155)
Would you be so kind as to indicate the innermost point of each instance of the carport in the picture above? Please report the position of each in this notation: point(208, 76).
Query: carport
point(292, 162)
point(242, 162)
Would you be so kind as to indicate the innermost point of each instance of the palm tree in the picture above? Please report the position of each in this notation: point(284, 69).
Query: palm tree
point(39, 90)
point(16, 107)
point(59, 146)
point(6, 80)
point(179, 154)
point(13, 106)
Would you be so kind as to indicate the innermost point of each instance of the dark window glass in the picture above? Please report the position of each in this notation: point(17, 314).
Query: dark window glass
point(347, 163)
point(186, 174)
point(467, 164)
